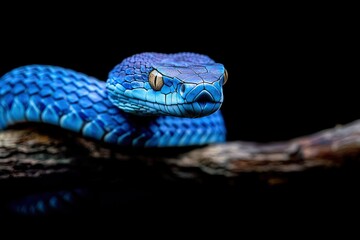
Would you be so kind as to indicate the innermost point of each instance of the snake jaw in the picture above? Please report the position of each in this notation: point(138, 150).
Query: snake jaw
point(201, 109)
point(185, 100)
point(202, 104)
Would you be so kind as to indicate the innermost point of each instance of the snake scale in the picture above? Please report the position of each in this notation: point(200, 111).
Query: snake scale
point(150, 99)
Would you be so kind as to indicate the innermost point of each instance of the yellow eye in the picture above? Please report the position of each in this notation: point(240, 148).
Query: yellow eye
point(156, 80)
point(226, 76)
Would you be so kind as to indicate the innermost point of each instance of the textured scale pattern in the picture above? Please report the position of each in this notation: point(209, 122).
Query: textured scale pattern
point(80, 103)
point(148, 100)
point(49, 202)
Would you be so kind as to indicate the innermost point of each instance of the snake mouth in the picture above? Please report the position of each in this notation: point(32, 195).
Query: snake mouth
point(199, 108)
point(188, 110)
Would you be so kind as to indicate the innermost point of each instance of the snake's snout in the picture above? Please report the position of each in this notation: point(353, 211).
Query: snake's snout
point(202, 93)
point(203, 97)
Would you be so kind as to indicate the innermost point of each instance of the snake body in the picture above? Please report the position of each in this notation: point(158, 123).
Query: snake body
point(148, 100)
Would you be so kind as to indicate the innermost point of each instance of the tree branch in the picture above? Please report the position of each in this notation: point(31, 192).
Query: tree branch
point(37, 152)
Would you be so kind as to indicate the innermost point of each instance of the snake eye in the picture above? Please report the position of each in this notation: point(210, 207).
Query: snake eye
point(226, 76)
point(156, 80)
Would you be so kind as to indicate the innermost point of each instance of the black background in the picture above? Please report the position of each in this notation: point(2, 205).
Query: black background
point(293, 70)
point(291, 73)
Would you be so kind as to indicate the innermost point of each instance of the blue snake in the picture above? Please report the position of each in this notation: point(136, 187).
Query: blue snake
point(149, 100)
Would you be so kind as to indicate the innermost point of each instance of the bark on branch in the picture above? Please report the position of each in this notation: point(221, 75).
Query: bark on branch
point(38, 152)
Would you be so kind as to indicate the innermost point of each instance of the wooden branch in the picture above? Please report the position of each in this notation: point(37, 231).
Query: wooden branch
point(33, 153)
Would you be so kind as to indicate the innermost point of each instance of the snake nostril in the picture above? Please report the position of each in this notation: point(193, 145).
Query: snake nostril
point(204, 96)
point(182, 89)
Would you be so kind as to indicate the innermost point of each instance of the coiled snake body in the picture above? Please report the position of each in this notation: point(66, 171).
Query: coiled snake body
point(152, 100)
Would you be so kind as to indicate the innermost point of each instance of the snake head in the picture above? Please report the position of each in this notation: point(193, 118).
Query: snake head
point(181, 84)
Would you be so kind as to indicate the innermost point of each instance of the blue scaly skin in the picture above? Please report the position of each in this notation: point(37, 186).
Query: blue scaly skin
point(153, 100)
point(47, 203)
point(149, 100)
